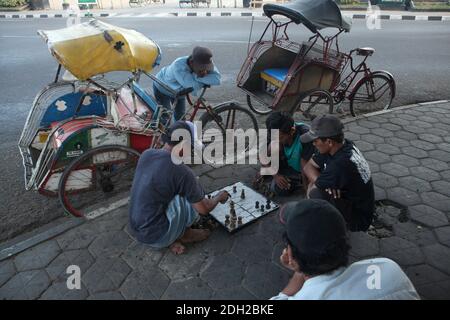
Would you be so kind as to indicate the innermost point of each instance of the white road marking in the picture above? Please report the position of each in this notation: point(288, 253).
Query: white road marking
point(99, 212)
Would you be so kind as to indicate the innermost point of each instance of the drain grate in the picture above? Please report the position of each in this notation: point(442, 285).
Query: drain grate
point(387, 213)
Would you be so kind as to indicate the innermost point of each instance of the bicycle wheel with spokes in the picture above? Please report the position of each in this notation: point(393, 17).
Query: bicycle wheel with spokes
point(375, 93)
point(311, 104)
point(258, 107)
point(98, 181)
point(237, 142)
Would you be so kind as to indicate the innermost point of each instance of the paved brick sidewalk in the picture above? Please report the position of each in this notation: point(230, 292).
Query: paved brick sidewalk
point(409, 154)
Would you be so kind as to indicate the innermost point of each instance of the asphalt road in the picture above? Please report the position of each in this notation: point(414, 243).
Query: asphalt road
point(416, 52)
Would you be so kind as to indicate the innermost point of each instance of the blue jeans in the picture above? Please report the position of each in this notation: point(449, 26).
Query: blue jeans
point(181, 215)
point(167, 102)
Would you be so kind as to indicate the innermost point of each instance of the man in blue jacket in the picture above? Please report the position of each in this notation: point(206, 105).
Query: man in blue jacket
point(194, 71)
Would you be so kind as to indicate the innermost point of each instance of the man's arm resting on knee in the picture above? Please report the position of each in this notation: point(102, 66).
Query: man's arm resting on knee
point(311, 171)
point(205, 206)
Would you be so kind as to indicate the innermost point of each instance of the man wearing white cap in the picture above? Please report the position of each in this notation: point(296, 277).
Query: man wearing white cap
point(166, 198)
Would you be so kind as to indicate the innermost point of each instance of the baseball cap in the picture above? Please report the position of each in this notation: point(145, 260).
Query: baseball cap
point(202, 59)
point(322, 127)
point(183, 125)
point(313, 225)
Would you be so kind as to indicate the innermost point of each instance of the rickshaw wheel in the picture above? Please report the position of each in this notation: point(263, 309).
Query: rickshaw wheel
point(311, 104)
point(229, 115)
point(98, 180)
point(374, 93)
point(258, 107)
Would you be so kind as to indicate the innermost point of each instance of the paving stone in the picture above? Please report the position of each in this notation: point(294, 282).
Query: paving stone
point(233, 293)
point(438, 256)
point(223, 272)
point(59, 291)
point(145, 283)
point(139, 255)
point(370, 138)
point(374, 167)
point(78, 238)
point(37, 257)
point(436, 200)
point(388, 149)
point(399, 121)
point(400, 250)
point(254, 248)
point(27, 285)
point(271, 228)
point(219, 242)
point(352, 136)
point(379, 193)
point(397, 142)
point(58, 267)
point(112, 222)
point(438, 133)
point(106, 274)
point(413, 112)
point(443, 235)
point(390, 126)
point(406, 135)
point(425, 274)
point(377, 157)
point(405, 160)
point(429, 119)
point(406, 116)
point(224, 172)
point(414, 152)
point(368, 124)
point(414, 129)
point(110, 244)
point(403, 196)
point(443, 126)
point(276, 253)
point(384, 133)
point(439, 291)
point(380, 118)
point(189, 289)
point(395, 169)
point(414, 233)
point(110, 295)
point(445, 175)
point(363, 245)
point(424, 145)
point(444, 146)
point(358, 129)
point(428, 216)
point(384, 180)
point(364, 146)
point(183, 268)
point(421, 124)
point(7, 270)
point(415, 184)
point(424, 173)
point(265, 280)
point(201, 169)
point(430, 138)
point(444, 156)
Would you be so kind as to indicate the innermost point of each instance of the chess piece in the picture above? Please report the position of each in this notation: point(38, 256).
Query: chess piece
point(227, 220)
point(239, 220)
point(234, 189)
point(262, 208)
point(231, 204)
point(268, 204)
point(243, 194)
point(232, 225)
point(232, 213)
point(257, 205)
point(209, 196)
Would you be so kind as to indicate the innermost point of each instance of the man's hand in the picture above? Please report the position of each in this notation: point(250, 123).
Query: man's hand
point(223, 196)
point(282, 182)
point(335, 193)
point(284, 260)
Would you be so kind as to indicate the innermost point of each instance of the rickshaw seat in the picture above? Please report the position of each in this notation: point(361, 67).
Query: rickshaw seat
point(123, 111)
point(275, 76)
point(367, 51)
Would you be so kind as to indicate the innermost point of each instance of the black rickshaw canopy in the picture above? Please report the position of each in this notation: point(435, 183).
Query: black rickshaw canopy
point(314, 14)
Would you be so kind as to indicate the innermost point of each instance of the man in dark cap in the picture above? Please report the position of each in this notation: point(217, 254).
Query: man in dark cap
point(316, 250)
point(166, 198)
point(194, 71)
point(339, 173)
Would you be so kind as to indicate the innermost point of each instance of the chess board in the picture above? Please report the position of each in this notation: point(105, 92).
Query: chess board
point(244, 208)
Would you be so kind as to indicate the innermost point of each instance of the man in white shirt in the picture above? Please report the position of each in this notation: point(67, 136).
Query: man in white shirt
point(317, 251)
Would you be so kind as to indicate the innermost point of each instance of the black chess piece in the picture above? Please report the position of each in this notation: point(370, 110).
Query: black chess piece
point(209, 196)
point(234, 189)
point(257, 204)
point(243, 194)
point(268, 204)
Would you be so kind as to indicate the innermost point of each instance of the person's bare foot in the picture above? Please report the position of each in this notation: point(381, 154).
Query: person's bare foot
point(177, 248)
point(194, 235)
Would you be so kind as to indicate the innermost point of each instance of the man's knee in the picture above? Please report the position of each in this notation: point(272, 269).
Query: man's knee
point(316, 193)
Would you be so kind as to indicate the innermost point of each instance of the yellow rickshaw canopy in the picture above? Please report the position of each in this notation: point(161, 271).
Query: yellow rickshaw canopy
point(95, 47)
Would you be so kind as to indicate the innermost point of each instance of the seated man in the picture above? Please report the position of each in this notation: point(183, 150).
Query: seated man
point(316, 249)
point(194, 71)
point(292, 152)
point(166, 198)
point(339, 173)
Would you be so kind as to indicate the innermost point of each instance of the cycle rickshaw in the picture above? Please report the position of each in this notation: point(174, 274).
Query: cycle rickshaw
point(312, 77)
point(83, 136)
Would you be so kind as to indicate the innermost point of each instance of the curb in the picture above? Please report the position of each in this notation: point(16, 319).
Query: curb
point(209, 14)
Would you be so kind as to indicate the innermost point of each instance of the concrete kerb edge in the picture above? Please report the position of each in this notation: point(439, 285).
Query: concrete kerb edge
point(22, 242)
